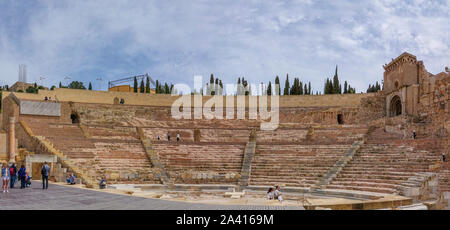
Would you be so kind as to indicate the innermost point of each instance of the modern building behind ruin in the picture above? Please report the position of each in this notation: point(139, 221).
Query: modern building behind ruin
point(91, 134)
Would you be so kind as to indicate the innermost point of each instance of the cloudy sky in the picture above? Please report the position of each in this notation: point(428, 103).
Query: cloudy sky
point(175, 40)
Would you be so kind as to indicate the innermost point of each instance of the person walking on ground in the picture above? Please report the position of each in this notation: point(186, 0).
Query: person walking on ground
point(5, 177)
point(22, 177)
point(168, 136)
point(45, 170)
point(13, 173)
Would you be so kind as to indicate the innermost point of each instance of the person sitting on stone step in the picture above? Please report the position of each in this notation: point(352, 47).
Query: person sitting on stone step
point(28, 180)
point(277, 193)
point(102, 183)
point(71, 180)
point(270, 194)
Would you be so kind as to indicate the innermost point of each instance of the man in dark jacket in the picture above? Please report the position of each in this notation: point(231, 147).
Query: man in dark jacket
point(22, 174)
point(45, 171)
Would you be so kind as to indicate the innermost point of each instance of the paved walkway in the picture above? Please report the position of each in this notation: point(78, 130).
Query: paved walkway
point(59, 197)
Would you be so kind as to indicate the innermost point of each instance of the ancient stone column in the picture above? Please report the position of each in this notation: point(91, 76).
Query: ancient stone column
point(12, 140)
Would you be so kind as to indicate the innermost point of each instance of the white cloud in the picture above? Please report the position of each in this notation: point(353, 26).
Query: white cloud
point(258, 39)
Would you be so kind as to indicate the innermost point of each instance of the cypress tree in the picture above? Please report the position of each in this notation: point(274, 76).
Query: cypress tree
point(166, 88)
point(157, 87)
point(216, 87)
point(336, 89)
point(147, 86)
point(300, 88)
point(220, 88)
point(345, 87)
point(309, 88)
point(135, 85)
point(60, 85)
point(142, 87)
point(277, 85)
point(90, 86)
point(269, 89)
point(211, 84)
point(286, 85)
point(239, 87)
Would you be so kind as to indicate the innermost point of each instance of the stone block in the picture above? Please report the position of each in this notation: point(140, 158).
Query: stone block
point(113, 176)
point(411, 192)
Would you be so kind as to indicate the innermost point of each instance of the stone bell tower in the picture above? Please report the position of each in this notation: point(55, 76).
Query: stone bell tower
point(401, 85)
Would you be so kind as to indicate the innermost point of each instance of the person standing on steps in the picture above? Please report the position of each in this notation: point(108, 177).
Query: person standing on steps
point(444, 157)
point(414, 134)
point(168, 136)
point(178, 137)
point(45, 170)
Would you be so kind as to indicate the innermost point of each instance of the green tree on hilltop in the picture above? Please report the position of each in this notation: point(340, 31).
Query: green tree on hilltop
point(277, 85)
point(147, 86)
point(286, 85)
point(142, 87)
point(76, 85)
point(135, 85)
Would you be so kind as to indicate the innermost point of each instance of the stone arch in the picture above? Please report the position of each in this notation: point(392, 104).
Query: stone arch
point(340, 119)
point(75, 118)
point(116, 101)
point(395, 106)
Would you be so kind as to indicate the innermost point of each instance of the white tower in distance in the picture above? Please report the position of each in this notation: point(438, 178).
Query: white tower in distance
point(22, 73)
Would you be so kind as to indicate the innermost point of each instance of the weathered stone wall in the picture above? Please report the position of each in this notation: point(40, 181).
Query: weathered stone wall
point(131, 115)
point(372, 108)
point(102, 97)
point(3, 144)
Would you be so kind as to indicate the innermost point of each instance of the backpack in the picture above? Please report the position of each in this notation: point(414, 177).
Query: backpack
point(11, 171)
point(43, 171)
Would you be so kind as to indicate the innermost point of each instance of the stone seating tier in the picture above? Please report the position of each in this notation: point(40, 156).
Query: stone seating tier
point(293, 165)
point(385, 167)
point(192, 158)
point(205, 135)
point(113, 133)
point(444, 177)
point(114, 152)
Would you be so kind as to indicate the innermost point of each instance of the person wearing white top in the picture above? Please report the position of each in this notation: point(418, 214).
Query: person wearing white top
point(270, 194)
point(277, 194)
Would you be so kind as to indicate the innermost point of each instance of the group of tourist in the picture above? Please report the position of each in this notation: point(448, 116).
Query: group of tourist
point(9, 175)
point(168, 137)
point(274, 194)
point(71, 179)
